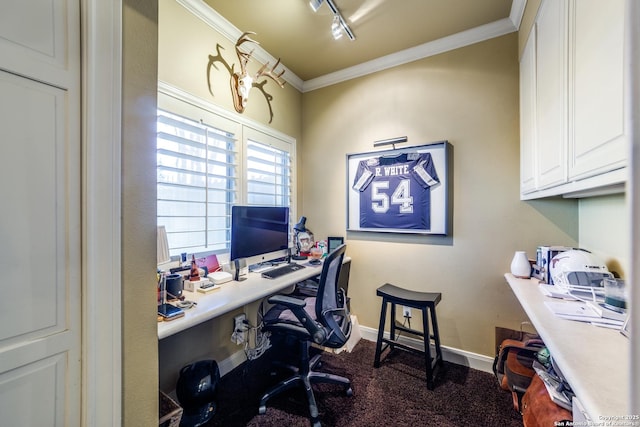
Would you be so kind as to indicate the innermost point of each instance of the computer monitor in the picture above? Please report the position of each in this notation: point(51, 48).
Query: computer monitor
point(259, 233)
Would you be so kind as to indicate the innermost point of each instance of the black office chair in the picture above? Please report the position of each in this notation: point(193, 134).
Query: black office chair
point(322, 319)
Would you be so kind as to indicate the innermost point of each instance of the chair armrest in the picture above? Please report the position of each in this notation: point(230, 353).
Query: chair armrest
point(287, 301)
point(315, 329)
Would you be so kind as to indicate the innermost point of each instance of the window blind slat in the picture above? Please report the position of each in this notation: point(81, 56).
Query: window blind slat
point(196, 182)
point(268, 175)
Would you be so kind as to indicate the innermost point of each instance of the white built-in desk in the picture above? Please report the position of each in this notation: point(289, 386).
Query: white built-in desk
point(233, 295)
point(594, 360)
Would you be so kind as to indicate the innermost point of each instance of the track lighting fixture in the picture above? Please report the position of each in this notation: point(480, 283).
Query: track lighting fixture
point(336, 29)
point(338, 25)
point(315, 4)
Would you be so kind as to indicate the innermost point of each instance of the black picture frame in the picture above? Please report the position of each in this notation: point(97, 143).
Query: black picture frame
point(440, 200)
point(334, 242)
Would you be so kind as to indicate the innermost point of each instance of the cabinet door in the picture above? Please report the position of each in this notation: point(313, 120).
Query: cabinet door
point(598, 143)
point(528, 115)
point(551, 93)
point(40, 225)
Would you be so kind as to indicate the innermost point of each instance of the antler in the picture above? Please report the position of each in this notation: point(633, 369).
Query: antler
point(241, 82)
point(244, 57)
point(271, 73)
point(267, 96)
point(212, 61)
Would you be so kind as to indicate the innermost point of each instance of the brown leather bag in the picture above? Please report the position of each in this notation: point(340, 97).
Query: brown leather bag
point(538, 410)
point(513, 366)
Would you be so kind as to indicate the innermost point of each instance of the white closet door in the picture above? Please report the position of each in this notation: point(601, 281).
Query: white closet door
point(40, 235)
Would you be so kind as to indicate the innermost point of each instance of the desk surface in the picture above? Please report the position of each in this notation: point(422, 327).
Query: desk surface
point(233, 295)
point(594, 360)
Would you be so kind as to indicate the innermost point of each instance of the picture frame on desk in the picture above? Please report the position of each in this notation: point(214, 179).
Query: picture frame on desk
point(334, 242)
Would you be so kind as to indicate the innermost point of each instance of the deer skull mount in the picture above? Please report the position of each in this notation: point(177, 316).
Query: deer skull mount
point(241, 81)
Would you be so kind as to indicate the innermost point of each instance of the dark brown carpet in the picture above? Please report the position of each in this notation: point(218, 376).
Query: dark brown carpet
point(393, 395)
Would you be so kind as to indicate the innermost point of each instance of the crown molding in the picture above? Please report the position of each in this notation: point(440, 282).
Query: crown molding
point(465, 38)
point(517, 11)
point(206, 105)
point(219, 23)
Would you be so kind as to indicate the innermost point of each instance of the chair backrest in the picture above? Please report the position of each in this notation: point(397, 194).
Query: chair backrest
point(331, 310)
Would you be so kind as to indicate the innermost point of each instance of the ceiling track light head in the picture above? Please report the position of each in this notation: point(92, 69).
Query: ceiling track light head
point(315, 4)
point(336, 28)
point(338, 24)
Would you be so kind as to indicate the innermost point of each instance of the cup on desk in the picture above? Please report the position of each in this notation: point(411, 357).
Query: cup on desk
point(615, 293)
point(315, 254)
point(174, 285)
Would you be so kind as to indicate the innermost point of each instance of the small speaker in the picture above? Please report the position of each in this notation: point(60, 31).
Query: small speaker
point(174, 285)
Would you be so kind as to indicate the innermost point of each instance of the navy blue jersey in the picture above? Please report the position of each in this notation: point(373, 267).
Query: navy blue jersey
point(395, 192)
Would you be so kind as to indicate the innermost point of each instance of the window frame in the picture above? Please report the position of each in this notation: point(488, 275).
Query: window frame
point(181, 103)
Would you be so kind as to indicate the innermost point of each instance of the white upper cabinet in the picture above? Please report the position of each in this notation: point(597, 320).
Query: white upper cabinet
point(528, 180)
point(598, 142)
point(573, 139)
point(551, 93)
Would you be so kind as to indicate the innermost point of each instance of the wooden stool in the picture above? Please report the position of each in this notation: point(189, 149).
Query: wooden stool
point(423, 301)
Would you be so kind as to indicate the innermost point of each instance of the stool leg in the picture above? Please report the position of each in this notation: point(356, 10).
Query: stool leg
point(427, 348)
point(392, 326)
point(436, 335)
point(383, 315)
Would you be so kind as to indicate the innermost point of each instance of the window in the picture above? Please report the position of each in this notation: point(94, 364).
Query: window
point(196, 183)
point(268, 175)
point(206, 163)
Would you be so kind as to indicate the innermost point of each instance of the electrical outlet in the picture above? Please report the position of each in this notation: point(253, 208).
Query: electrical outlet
point(239, 329)
point(239, 323)
point(406, 311)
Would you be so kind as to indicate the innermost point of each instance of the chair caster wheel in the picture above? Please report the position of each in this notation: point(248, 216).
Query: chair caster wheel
point(262, 410)
point(349, 392)
point(317, 424)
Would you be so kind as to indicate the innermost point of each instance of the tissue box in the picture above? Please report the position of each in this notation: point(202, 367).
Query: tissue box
point(193, 286)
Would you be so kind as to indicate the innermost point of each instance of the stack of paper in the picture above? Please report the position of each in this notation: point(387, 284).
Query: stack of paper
point(586, 312)
point(555, 292)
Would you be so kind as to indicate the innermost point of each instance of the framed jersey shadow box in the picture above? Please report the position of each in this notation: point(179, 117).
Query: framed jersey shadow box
point(405, 190)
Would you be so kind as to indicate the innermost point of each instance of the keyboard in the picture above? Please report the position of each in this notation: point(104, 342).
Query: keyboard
point(281, 271)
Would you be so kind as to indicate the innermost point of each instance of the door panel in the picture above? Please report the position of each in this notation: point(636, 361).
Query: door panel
point(599, 142)
point(32, 181)
point(40, 234)
point(37, 38)
point(41, 382)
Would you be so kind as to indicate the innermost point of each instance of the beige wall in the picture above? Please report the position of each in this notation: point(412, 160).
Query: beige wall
point(470, 97)
point(185, 43)
point(139, 330)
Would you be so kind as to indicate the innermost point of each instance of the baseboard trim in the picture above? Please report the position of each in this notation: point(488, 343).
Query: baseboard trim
point(449, 354)
point(230, 363)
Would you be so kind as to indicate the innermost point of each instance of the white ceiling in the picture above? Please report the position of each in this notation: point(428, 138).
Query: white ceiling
point(388, 32)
